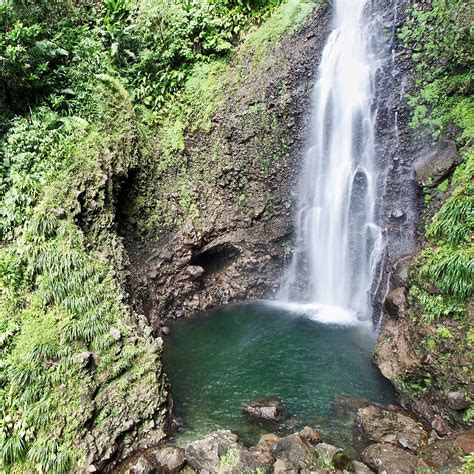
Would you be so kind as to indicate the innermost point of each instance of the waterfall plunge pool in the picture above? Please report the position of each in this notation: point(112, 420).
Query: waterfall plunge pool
point(219, 361)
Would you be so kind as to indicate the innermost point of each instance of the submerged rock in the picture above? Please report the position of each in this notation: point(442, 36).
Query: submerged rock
point(382, 426)
point(270, 409)
point(344, 405)
point(389, 459)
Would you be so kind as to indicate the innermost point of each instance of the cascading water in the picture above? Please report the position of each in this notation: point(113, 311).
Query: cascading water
point(338, 243)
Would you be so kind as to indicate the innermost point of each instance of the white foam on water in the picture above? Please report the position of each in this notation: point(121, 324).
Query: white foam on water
point(324, 314)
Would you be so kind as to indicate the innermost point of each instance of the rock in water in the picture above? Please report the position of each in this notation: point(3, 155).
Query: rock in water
point(270, 409)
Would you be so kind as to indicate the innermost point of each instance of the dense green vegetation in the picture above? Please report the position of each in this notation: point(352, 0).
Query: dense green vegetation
point(440, 36)
point(85, 89)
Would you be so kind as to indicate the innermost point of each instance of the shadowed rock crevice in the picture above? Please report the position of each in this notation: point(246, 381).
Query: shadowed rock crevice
point(216, 257)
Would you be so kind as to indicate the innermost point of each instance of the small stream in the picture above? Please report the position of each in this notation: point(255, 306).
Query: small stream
point(218, 361)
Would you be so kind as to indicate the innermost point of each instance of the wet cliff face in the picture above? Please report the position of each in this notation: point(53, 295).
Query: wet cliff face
point(241, 178)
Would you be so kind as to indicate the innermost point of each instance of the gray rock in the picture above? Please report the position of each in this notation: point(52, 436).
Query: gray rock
point(458, 401)
point(204, 455)
point(360, 468)
point(311, 435)
point(266, 409)
point(115, 333)
point(195, 271)
point(296, 451)
point(282, 466)
point(344, 405)
point(385, 458)
point(60, 213)
point(87, 359)
point(382, 426)
point(444, 455)
point(440, 425)
point(327, 451)
point(141, 466)
point(396, 303)
point(433, 168)
point(222, 452)
point(397, 213)
point(170, 458)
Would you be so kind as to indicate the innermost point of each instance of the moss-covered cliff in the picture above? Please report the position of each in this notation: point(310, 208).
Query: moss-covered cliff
point(100, 102)
point(426, 343)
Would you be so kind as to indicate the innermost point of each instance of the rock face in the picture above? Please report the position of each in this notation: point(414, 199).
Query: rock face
point(385, 458)
point(393, 353)
point(269, 409)
point(234, 244)
point(434, 167)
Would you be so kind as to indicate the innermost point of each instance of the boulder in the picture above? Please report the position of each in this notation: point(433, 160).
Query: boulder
point(393, 353)
point(115, 333)
point(436, 166)
point(141, 466)
point(444, 455)
point(458, 401)
point(386, 458)
point(360, 468)
point(282, 466)
point(222, 452)
point(270, 409)
point(396, 303)
point(440, 425)
point(195, 271)
point(170, 458)
point(344, 406)
point(327, 452)
point(311, 435)
point(382, 426)
point(87, 360)
point(204, 455)
point(296, 451)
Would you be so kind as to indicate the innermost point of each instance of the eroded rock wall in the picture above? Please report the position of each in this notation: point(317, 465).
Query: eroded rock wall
point(242, 176)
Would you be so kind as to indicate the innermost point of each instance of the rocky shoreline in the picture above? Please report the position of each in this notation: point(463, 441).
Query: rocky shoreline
point(389, 440)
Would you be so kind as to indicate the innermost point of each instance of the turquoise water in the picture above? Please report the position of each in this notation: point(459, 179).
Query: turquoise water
point(218, 361)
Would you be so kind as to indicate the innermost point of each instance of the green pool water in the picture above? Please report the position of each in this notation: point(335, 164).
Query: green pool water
point(218, 361)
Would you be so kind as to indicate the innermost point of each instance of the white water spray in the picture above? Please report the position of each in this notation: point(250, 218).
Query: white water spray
point(338, 243)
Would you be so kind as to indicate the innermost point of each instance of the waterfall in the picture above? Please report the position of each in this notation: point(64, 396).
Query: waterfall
point(338, 242)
